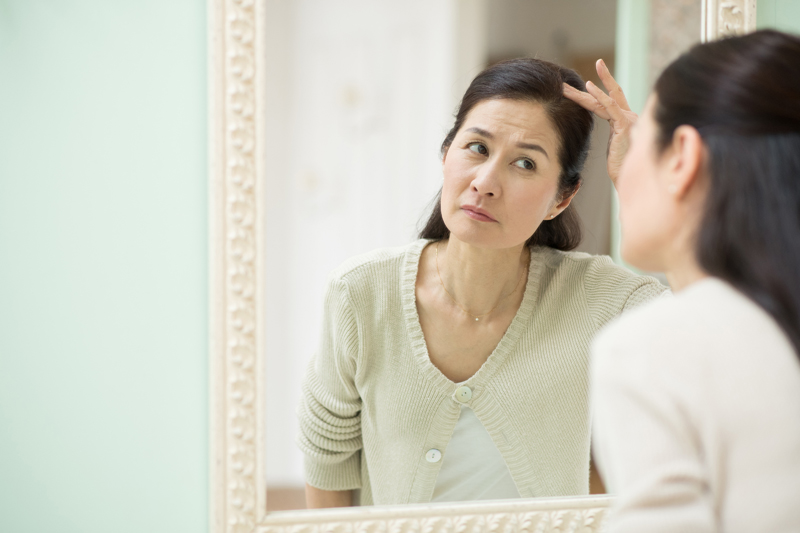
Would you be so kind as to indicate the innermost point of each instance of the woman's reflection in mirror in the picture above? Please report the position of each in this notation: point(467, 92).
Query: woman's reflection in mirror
point(456, 367)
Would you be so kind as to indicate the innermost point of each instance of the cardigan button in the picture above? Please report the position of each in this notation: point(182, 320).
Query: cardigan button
point(433, 455)
point(463, 394)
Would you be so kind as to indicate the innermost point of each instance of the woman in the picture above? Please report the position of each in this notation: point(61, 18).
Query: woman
point(696, 399)
point(456, 367)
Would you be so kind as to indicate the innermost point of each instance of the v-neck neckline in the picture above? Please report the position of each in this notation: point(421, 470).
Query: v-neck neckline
point(500, 352)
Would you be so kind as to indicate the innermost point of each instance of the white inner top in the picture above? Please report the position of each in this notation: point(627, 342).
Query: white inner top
point(472, 467)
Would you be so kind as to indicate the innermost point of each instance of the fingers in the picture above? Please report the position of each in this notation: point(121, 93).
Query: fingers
point(612, 108)
point(587, 101)
point(611, 85)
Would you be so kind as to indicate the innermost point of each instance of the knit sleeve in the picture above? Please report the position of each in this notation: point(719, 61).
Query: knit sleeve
point(646, 293)
point(329, 412)
point(645, 445)
point(612, 289)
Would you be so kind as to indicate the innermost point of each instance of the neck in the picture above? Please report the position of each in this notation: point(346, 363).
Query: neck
point(679, 256)
point(479, 278)
point(684, 270)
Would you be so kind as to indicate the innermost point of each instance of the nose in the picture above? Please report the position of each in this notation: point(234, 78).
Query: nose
point(486, 182)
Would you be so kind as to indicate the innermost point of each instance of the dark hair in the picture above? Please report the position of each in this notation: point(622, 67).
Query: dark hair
point(538, 81)
point(742, 94)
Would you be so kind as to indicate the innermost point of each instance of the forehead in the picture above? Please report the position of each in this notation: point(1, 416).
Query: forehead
point(518, 119)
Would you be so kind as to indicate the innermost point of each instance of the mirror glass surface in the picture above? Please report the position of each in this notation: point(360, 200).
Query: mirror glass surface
point(360, 96)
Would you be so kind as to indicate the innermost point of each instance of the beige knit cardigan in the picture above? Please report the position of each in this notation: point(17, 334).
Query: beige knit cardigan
point(696, 404)
point(373, 403)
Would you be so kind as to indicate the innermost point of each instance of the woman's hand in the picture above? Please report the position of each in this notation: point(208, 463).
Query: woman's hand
point(612, 107)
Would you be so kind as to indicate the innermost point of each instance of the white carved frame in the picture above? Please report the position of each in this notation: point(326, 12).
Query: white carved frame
point(237, 389)
point(723, 18)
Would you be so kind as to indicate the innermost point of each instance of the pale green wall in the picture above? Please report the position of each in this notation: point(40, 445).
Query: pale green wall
point(632, 64)
point(779, 14)
point(632, 48)
point(103, 267)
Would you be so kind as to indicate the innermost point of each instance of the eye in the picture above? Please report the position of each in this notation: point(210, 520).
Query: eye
point(526, 164)
point(478, 148)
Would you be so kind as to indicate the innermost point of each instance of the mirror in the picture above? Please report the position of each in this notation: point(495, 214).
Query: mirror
point(328, 117)
point(368, 93)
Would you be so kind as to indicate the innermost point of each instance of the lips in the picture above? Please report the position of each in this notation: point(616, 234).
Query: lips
point(476, 213)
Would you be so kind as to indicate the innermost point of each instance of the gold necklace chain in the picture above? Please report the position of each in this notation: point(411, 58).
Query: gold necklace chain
point(476, 317)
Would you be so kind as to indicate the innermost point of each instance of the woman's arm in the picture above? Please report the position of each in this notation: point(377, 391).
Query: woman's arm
point(321, 499)
point(329, 413)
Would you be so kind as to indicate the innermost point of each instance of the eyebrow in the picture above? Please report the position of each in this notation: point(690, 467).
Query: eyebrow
point(490, 135)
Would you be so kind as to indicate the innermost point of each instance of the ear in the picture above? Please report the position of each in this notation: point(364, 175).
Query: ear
point(564, 203)
point(683, 161)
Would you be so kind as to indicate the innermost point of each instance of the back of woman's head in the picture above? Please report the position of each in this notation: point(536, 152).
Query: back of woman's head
point(742, 94)
point(538, 81)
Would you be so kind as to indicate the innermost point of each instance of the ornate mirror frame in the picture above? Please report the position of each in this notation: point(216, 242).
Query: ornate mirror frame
point(237, 74)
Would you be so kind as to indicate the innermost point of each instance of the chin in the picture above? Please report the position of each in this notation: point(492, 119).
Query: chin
point(480, 234)
point(479, 239)
point(483, 238)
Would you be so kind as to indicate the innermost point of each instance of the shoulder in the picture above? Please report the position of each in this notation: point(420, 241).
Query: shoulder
point(377, 266)
point(375, 262)
point(706, 342)
point(707, 321)
point(578, 262)
point(641, 330)
point(608, 287)
point(597, 269)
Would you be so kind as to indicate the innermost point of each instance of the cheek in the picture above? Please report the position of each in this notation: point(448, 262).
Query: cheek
point(641, 209)
point(455, 174)
point(629, 184)
point(526, 207)
point(531, 201)
point(456, 179)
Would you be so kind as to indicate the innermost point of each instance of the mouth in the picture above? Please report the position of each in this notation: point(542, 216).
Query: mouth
point(476, 213)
